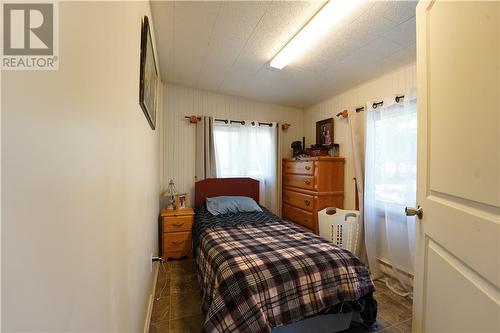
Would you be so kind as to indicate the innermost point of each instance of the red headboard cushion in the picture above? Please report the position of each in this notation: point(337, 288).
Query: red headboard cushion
point(214, 187)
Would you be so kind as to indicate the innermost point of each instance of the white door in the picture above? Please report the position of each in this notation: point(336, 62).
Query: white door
point(457, 274)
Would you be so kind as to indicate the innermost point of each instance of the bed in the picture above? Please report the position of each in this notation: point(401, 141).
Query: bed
point(258, 273)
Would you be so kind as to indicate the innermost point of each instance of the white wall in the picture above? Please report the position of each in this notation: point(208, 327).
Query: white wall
point(179, 135)
point(80, 173)
point(397, 81)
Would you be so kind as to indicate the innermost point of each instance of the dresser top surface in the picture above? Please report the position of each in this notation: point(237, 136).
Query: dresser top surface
point(177, 212)
point(315, 158)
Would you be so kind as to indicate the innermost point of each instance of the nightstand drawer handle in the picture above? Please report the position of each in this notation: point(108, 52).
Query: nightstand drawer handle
point(178, 224)
point(307, 182)
point(177, 242)
point(307, 202)
point(308, 167)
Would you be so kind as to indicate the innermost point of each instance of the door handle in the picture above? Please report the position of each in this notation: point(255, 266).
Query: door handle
point(412, 211)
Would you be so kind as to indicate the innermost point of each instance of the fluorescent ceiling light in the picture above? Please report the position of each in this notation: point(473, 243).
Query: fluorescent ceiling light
point(321, 23)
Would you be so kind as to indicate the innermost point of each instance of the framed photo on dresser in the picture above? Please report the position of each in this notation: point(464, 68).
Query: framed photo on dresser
point(181, 201)
point(324, 132)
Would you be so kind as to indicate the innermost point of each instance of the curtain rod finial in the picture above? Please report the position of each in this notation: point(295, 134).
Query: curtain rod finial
point(285, 126)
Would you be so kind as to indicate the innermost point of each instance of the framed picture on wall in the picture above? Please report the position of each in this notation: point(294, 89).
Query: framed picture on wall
point(148, 75)
point(324, 132)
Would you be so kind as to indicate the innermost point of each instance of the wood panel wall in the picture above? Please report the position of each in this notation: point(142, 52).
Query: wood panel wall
point(178, 142)
point(395, 82)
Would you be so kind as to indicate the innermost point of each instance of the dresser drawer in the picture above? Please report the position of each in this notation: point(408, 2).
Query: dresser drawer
point(300, 200)
point(306, 182)
point(179, 223)
point(299, 216)
point(176, 242)
point(302, 167)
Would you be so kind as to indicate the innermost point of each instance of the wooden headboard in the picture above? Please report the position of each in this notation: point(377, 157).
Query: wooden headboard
point(214, 187)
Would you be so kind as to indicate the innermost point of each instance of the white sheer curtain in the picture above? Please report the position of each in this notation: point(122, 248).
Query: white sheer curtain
point(390, 186)
point(249, 150)
point(357, 124)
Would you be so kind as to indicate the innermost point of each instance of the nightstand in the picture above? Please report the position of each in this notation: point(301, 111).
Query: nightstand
point(176, 225)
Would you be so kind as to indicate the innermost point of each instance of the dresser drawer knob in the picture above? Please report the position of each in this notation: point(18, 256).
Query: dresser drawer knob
point(307, 202)
point(177, 242)
point(178, 224)
point(307, 182)
point(308, 167)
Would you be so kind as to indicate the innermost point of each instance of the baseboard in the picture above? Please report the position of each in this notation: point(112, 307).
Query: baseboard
point(386, 268)
point(156, 267)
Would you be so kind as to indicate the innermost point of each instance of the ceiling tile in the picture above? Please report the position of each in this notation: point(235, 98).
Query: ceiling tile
point(397, 11)
point(235, 25)
point(226, 47)
point(404, 34)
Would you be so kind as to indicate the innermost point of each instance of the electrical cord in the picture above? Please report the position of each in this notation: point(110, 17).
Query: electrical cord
point(165, 282)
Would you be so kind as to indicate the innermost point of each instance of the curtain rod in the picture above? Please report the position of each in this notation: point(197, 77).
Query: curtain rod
point(381, 103)
point(195, 119)
point(242, 122)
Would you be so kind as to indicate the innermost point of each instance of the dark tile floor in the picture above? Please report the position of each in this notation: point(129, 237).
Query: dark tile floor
point(177, 305)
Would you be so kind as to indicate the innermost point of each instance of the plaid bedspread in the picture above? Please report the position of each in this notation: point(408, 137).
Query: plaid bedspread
point(255, 277)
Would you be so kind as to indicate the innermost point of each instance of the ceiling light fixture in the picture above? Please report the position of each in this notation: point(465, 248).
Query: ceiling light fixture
point(317, 26)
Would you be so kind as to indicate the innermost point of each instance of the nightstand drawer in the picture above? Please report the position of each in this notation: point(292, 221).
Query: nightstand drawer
point(179, 223)
point(177, 242)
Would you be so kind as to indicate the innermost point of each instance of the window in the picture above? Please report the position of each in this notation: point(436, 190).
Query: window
point(391, 148)
point(248, 151)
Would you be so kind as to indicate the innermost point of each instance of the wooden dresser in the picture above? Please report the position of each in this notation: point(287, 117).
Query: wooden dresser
point(309, 185)
point(176, 228)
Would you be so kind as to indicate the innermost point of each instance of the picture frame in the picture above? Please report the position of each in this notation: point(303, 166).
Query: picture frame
point(324, 132)
point(336, 150)
point(181, 201)
point(148, 78)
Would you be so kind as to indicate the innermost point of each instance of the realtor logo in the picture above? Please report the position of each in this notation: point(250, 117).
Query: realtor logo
point(29, 36)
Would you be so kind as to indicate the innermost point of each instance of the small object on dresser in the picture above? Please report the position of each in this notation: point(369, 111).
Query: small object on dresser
point(176, 229)
point(181, 201)
point(317, 150)
point(336, 150)
point(170, 194)
point(297, 148)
